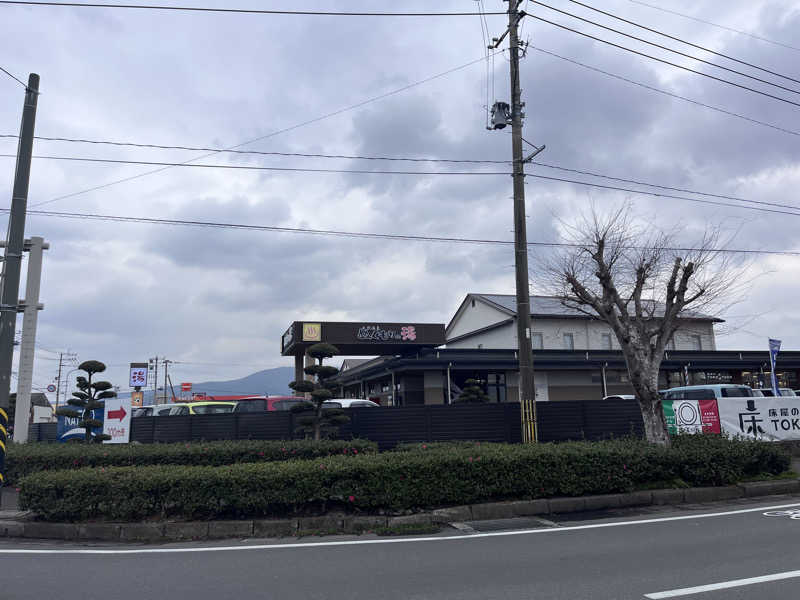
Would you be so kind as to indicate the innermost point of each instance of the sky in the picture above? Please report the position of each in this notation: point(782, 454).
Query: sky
point(216, 301)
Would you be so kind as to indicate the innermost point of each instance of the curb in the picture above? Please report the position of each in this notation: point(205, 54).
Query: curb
point(17, 527)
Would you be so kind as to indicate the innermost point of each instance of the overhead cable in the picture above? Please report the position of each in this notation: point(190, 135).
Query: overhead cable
point(17, 79)
point(364, 235)
point(682, 41)
point(726, 28)
point(666, 62)
point(666, 93)
point(251, 11)
point(276, 132)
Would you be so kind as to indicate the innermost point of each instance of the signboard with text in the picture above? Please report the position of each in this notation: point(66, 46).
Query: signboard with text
point(768, 418)
point(362, 338)
point(138, 376)
point(68, 427)
point(117, 422)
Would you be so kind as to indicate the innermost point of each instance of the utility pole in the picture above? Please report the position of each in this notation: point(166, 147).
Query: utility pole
point(12, 260)
point(154, 365)
point(166, 368)
point(527, 391)
point(58, 379)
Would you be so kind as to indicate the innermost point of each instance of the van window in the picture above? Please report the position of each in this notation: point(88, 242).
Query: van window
point(737, 392)
point(704, 394)
point(212, 409)
point(332, 404)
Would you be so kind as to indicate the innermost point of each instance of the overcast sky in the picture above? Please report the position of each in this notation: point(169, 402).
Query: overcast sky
point(218, 300)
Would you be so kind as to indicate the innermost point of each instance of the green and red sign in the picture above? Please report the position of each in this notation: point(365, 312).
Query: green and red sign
point(692, 416)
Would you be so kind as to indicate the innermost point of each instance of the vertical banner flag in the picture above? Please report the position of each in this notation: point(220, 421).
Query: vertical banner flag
point(774, 348)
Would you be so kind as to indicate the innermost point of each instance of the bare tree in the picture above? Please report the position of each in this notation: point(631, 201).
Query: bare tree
point(631, 276)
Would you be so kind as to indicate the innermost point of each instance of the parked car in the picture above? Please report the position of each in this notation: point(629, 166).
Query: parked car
point(200, 408)
point(349, 403)
point(769, 392)
point(257, 404)
point(620, 397)
point(708, 392)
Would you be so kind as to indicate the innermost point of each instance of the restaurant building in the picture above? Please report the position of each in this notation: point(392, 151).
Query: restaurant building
point(575, 356)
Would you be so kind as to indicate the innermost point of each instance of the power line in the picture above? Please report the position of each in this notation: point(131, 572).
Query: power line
point(490, 173)
point(663, 187)
point(677, 39)
point(739, 31)
point(666, 93)
point(263, 153)
point(666, 62)
point(360, 234)
point(19, 81)
point(668, 49)
point(364, 171)
point(256, 168)
point(248, 10)
point(276, 132)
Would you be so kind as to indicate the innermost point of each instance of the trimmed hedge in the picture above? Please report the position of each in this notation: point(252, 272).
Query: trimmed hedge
point(393, 481)
point(24, 459)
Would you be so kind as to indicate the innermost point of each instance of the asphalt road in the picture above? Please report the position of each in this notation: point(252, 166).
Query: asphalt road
point(626, 557)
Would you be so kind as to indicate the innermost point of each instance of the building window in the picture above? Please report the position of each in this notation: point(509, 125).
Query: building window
point(671, 343)
point(569, 342)
point(537, 341)
point(696, 342)
point(605, 341)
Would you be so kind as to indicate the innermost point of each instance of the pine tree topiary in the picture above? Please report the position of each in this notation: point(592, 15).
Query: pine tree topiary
point(90, 396)
point(472, 392)
point(311, 416)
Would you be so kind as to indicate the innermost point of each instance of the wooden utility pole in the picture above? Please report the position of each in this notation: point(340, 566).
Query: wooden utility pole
point(527, 391)
point(12, 260)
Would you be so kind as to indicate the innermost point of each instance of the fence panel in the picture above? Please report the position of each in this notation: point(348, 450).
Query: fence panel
point(173, 428)
point(212, 427)
point(143, 429)
point(264, 426)
point(479, 422)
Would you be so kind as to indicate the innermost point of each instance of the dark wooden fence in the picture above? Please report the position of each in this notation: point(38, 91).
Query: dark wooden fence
point(558, 421)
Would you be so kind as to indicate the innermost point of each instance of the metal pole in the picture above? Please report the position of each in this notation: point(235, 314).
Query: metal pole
point(166, 368)
point(22, 411)
point(527, 391)
point(449, 396)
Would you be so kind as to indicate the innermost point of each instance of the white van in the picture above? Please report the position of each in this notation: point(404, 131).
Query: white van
point(708, 392)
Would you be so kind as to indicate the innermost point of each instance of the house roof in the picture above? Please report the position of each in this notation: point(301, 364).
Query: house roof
point(551, 306)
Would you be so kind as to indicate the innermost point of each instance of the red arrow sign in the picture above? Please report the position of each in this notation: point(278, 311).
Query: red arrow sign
point(117, 414)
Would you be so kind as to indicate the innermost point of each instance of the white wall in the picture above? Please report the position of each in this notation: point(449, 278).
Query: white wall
point(476, 317)
point(586, 334)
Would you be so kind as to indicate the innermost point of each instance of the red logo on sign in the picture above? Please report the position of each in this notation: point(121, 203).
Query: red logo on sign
point(709, 416)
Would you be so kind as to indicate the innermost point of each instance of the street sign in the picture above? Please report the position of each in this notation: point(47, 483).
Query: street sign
point(117, 422)
point(186, 387)
point(137, 398)
point(51, 388)
point(138, 375)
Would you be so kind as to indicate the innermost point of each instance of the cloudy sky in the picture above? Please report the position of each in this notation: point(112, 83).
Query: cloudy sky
point(217, 300)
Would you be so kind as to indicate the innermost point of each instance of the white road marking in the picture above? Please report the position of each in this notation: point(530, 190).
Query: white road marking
point(546, 530)
point(722, 585)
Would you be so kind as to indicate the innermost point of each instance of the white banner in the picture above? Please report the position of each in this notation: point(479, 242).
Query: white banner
point(772, 419)
point(117, 421)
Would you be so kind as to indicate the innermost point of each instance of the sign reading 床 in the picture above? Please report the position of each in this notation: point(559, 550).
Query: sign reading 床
point(768, 418)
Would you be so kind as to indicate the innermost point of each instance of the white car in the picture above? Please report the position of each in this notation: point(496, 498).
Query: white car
point(620, 397)
point(768, 392)
point(349, 403)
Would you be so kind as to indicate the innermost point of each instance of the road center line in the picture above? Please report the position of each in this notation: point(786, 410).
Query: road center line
point(474, 536)
point(722, 585)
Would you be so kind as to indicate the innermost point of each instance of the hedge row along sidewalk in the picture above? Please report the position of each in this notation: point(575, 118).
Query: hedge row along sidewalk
point(25, 459)
point(393, 482)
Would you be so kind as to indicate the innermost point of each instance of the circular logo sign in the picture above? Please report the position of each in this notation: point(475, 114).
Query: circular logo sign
point(51, 388)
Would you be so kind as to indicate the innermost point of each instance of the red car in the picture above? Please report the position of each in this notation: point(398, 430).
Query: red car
point(254, 404)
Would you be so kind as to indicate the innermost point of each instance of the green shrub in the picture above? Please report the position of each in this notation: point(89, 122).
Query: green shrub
point(24, 459)
point(435, 475)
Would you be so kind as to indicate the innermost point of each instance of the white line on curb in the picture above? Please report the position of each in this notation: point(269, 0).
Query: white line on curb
point(551, 530)
point(722, 585)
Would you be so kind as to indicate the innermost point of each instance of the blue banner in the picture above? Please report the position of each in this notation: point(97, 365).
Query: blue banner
point(774, 348)
point(68, 428)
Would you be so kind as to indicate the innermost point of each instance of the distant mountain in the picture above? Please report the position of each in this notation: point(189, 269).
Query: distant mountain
point(273, 382)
